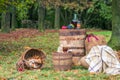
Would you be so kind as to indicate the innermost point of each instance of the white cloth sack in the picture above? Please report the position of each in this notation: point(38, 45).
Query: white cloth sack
point(103, 59)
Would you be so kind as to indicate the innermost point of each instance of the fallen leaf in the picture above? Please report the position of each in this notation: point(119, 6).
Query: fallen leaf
point(70, 78)
point(0, 68)
point(27, 47)
point(2, 78)
point(75, 71)
point(93, 73)
point(0, 57)
point(56, 78)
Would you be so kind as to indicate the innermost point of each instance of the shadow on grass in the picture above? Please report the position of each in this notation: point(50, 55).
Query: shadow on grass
point(79, 67)
point(47, 68)
point(73, 68)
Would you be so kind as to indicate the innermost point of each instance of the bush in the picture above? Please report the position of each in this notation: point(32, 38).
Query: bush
point(29, 24)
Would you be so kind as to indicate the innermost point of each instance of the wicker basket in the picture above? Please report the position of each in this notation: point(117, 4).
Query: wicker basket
point(30, 54)
point(62, 61)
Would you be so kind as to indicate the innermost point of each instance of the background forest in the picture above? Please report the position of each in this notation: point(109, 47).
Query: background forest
point(52, 14)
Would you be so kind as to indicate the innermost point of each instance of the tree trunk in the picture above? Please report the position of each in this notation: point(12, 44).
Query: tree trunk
point(66, 17)
point(115, 38)
point(13, 22)
point(41, 16)
point(57, 18)
point(5, 22)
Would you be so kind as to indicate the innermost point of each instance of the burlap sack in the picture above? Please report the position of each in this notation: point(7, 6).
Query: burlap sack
point(83, 63)
point(93, 40)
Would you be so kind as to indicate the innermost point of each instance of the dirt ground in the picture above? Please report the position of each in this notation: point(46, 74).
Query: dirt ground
point(23, 33)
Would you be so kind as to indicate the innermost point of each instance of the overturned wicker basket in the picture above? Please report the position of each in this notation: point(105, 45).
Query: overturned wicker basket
point(27, 59)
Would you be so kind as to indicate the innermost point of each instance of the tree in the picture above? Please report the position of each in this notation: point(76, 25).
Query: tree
point(41, 15)
point(57, 17)
point(69, 6)
point(8, 15)
point(5, 17)
point(5, 22)
point(115, 37)
point(13, 22)
point(56, 5)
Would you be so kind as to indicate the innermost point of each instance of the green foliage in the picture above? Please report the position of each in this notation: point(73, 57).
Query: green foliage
point(49, 18)
point(3, 4)
point(95, 14)
point(6, 5)
point(23, 7)
point(99, 15)
point(22, 11)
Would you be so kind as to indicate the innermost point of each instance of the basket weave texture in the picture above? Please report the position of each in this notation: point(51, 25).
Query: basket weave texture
point(31, 59)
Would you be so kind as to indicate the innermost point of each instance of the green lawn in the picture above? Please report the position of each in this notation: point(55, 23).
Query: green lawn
point(49, 42)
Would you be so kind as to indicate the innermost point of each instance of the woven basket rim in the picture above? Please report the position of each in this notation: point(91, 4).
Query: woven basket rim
point(25, 52)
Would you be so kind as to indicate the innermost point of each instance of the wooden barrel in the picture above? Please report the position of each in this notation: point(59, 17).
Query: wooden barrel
point(62, 61)
point(74, 41)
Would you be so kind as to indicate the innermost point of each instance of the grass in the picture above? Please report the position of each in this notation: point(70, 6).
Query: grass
point(49, 43)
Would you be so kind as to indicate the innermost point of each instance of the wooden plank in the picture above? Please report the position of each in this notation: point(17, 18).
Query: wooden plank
point(72, 32)
point(72, 43)
point(77, 37)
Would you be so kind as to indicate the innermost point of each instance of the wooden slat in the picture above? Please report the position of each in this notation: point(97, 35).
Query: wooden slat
point(77, 37)
point(73, 43)
point(72, 32)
